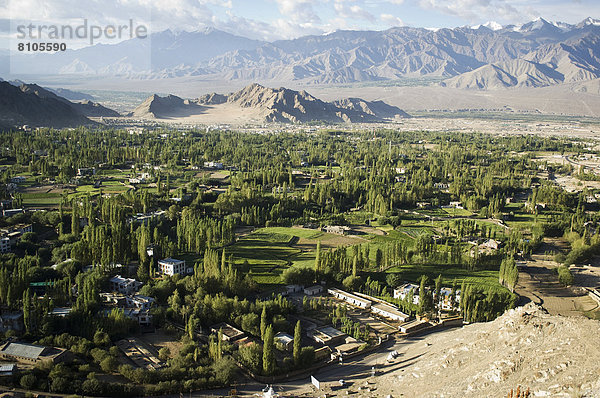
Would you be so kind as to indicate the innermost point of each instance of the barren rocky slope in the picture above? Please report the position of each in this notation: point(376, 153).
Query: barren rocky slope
point(269, 105)
point(552, 355)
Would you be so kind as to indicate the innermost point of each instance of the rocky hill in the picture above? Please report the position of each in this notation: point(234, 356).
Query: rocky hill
point(272, 105)
point(31, 105)
point(552, 355)
point(157, 107)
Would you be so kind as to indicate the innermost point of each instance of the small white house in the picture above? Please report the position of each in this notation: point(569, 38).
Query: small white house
point(404, 290)
point(289, 289)
point(171, 266)
point(313, 290)
point(284, 341)
point(125, 286)
point(140, 302)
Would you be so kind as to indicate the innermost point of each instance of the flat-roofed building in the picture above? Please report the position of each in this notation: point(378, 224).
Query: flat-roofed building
point(389, 311)
point(446, 301)
point(313, 290)
point(171, 266)
point(124, 285)
point(289, 289)
point(323, 354)
point(337, 229)
point(327, 335)
point(140, 302)
point(414, 326)
point(230, 333)
point(403, 291)
point(141, 315)
point(32, 354)
point(350, 298)
point(284, 341)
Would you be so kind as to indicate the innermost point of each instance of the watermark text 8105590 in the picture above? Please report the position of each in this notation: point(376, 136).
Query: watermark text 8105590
point(35, 46)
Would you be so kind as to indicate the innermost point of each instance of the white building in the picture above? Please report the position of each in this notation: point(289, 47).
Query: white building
point(213, 165)
point(171, 266)
point(284, 341)
point(313, 290)
point(337, 229)
point(143, 317)
point(350, 298)
point(389, 311)
point(124, 285)
point(445, 301)
point(140, 302)
point(289, 289)
point(403, 291)
point(4, 244)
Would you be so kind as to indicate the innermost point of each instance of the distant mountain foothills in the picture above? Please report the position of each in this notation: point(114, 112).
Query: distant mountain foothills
point(539, 53)
point(270, 105)
point(33, 105)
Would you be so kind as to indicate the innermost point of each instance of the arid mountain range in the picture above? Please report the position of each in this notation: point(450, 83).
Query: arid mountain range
point(33, 105)
point(270, 105)
point(535, 54)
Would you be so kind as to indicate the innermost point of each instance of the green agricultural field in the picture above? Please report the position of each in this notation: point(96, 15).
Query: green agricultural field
point(41, 200)
point(457, 212)
point(267, 252)
point(485, 278)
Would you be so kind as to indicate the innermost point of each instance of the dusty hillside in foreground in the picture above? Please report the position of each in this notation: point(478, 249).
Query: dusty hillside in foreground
point(555, 356)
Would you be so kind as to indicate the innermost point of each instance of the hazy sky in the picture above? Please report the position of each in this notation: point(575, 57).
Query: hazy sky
point(275, 19)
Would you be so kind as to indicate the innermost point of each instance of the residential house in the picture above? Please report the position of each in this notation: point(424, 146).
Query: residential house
point(284, 341)
point(290, 289)
point(403, 291)
point(140, 302)
point(171, 266)
point(327, 335)
point(313, 290)
point(11, 321)
point(125, 286)
point(337, 229)
point(230, 333)
point(445, 299)
point(213, 165)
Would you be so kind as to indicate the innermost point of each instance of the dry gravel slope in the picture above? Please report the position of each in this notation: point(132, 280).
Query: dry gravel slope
point(554, 356)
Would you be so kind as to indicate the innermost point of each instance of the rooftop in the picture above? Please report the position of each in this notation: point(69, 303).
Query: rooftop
point(23, 350)
point(170, 260)
point(389, 309)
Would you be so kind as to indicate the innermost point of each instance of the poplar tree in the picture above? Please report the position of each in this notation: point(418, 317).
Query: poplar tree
point(297, 343)
point(268, 356)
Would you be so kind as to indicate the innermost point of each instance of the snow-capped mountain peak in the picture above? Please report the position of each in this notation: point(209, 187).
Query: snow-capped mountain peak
point(493, 25)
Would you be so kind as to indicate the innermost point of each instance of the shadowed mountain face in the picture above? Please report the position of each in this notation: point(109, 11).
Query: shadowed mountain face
point(85, 107)
point(22, 103)
point(273, 105)
point(350, 56)
point(30, 104)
